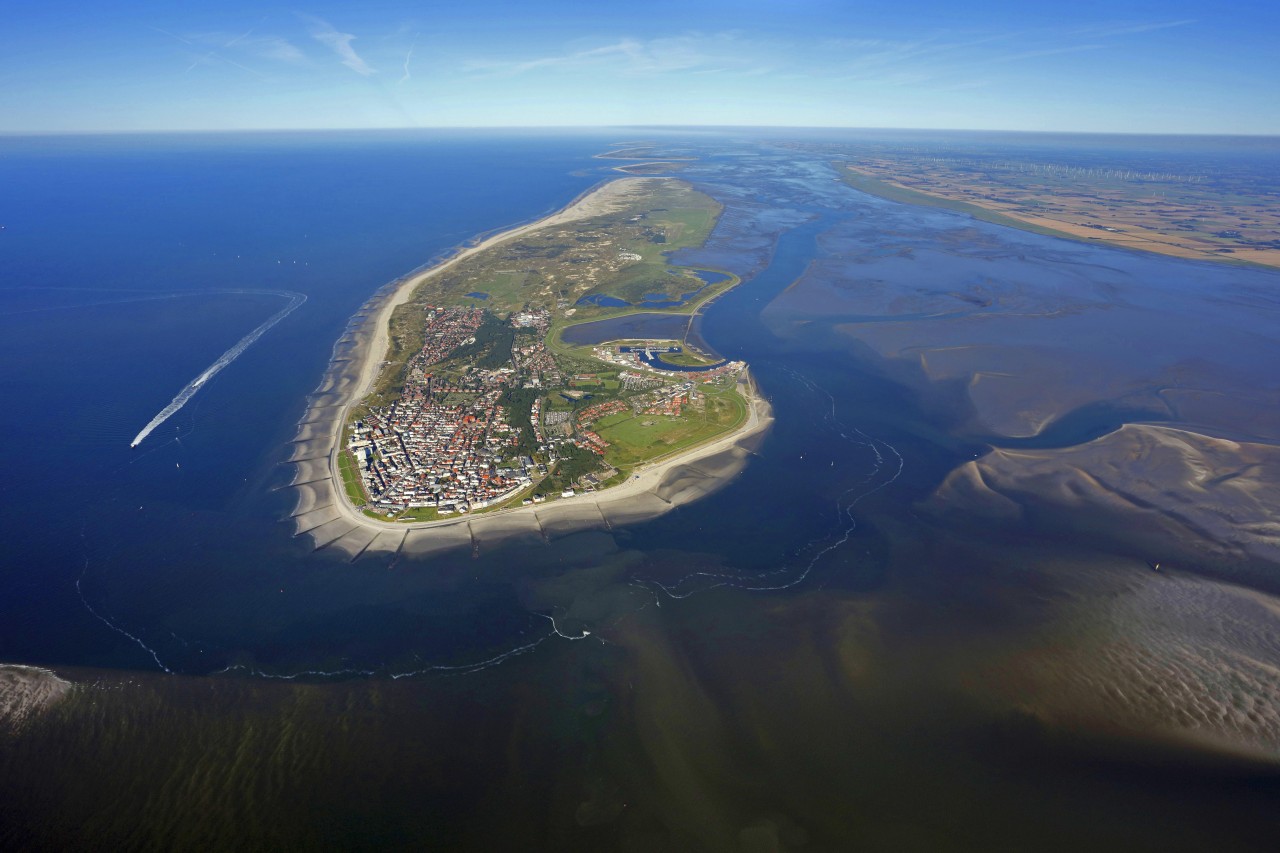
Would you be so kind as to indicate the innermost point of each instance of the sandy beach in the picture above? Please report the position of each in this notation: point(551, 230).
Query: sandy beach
point(325, 515)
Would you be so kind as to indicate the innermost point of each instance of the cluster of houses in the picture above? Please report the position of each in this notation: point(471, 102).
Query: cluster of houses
point(423, 451)
point(669, 401)
point(590, 439)
point(447, 443)
point(451, 458)
point(447, 329)
point(632, 381)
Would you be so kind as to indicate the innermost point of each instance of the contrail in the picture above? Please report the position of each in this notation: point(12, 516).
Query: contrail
point(407, 57)
point(295, 299)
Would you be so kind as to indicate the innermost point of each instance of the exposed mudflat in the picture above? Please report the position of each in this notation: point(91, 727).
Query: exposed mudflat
point(1178, 493)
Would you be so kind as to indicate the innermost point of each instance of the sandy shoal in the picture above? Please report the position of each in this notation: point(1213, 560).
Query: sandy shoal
point(27, 690)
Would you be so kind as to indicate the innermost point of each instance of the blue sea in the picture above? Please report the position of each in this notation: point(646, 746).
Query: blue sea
point(812, 655)
point(130, 264)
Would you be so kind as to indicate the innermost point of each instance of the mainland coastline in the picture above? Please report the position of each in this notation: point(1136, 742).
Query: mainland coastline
point(326, 516)
point(1118, 214)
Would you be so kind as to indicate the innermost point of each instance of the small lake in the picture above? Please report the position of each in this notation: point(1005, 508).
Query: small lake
point(632, 326)
point(603, 300)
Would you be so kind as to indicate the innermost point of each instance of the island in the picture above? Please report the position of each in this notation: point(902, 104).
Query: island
point(545, 379)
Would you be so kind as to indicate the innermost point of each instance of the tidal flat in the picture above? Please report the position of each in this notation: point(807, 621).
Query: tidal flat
point(1001, 576)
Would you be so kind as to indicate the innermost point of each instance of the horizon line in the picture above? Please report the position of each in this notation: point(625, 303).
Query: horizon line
point(584, 127)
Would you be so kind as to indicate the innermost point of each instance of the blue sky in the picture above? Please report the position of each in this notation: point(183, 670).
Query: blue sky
point(1121, 66)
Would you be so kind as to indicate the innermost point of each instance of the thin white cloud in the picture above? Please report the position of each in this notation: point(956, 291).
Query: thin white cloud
point(942, 62)
point(964, 86)
point(268, 47)
point(628, 55)
point(234, 40)
point(277, 49)
point(1036, 54)
point(340, 43)
point(626, 48)
point(1129, 28)
point(940, 50)
point(213, 56)
point(851, 43)
point(939, 60)
point(171, 35)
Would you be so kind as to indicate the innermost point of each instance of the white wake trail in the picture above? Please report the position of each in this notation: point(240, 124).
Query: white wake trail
point(295, 299)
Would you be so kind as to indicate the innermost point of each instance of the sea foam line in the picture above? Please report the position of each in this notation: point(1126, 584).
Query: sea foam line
point(113, 626)
point(457, 669)
point(189, 391)
point(845, 505)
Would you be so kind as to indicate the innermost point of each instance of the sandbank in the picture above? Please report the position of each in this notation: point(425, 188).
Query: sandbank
point(28, 690)
point(1175, 493)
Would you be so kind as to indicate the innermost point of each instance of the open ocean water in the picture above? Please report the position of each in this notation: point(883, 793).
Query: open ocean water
point(130, 265)
point(806, 659)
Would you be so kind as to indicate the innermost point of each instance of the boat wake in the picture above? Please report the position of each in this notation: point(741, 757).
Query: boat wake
point(189, 391)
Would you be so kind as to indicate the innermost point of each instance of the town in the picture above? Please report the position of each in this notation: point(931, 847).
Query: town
point(489, 417)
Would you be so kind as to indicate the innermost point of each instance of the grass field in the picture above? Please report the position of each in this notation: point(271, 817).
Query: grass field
point(635, 439)
point(424, 513)
point(688, 358)
point(685, 219)
point(351, 478)
point(570, 261)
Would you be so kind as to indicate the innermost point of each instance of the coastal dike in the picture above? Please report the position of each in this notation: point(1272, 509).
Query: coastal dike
point(323, 515)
